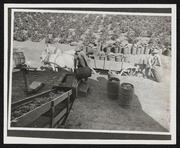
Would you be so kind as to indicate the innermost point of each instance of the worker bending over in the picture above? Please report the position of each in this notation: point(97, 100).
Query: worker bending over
point(80, 60)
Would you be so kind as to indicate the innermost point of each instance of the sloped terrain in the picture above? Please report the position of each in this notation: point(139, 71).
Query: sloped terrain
point(150, 107)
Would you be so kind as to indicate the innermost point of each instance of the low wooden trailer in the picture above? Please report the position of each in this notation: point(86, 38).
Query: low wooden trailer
point(111, 64)
point(51, 114)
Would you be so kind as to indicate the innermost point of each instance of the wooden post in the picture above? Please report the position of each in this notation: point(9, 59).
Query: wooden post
point(67, 113)
point(95, 62)
point(68, 102)
point(52, 114)
point(104, 62)
point(25, 72)
point(122, 62)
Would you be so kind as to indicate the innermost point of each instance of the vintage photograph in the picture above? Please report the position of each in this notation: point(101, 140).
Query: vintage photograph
point(99, 71)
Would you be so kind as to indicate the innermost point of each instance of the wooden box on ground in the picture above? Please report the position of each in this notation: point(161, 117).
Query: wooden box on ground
point(51, 114)
point(83, 89)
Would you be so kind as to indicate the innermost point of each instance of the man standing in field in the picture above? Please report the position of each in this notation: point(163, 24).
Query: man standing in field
point(49, 40)
point(154, 64)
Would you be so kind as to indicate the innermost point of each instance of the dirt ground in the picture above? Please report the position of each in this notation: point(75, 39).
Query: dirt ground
point(150, 107)
point(18, 85)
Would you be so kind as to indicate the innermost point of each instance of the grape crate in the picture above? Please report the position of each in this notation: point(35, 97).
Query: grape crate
point(52, 105)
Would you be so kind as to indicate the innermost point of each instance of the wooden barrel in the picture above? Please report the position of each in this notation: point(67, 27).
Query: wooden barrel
point(129, 48)
point(156, 74)
point(83, 72)
point(113, 88)
point(124, 51)
point(126, 95)
point(138, 50)
point(102, 57)
point(112, 75)
point(16, 58)
point(22, 57)
point(133, 50)
point(110, 57)
point(146, 50)
point(116, 50)
point(118, 58)
point(142, 50)
point(120, 49)
point(125, 59)
point(108, 50)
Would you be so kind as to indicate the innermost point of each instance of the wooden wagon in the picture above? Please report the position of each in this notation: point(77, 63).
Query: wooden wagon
point(50, 114)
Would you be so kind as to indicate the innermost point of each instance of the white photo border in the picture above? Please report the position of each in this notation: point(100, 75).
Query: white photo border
point(66, 141)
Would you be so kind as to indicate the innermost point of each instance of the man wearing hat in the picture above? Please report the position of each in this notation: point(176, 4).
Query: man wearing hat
point(80, 58)
point(154, 61)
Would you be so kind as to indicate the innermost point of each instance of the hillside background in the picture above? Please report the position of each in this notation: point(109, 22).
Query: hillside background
point(91, 28)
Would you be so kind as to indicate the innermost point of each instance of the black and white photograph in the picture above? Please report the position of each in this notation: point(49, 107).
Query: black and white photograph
point(90, 72)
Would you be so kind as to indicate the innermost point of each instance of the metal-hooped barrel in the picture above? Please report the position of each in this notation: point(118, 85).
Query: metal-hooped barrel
point(118, 58)
point(113, 88)
point(126, 95)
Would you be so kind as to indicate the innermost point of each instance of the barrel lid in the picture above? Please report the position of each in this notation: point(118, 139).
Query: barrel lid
point(127, 86)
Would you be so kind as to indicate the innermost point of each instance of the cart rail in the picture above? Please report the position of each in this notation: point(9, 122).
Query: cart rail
point(56, 111)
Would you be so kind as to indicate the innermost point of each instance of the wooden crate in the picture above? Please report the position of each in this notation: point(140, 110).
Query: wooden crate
point(46, 115)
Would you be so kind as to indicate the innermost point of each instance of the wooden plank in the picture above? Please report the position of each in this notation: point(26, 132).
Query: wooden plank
point(40, 122)
point(62, 97)
point(75, 88)
point(31, 116)
point(113, 65)
point(59, 116)
point(25, 77)
point(28, 99)
point(83, 89)
point(52, 114)
point(60, 123)
point(63, 120)
point(68, 102)
point(61, 77)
